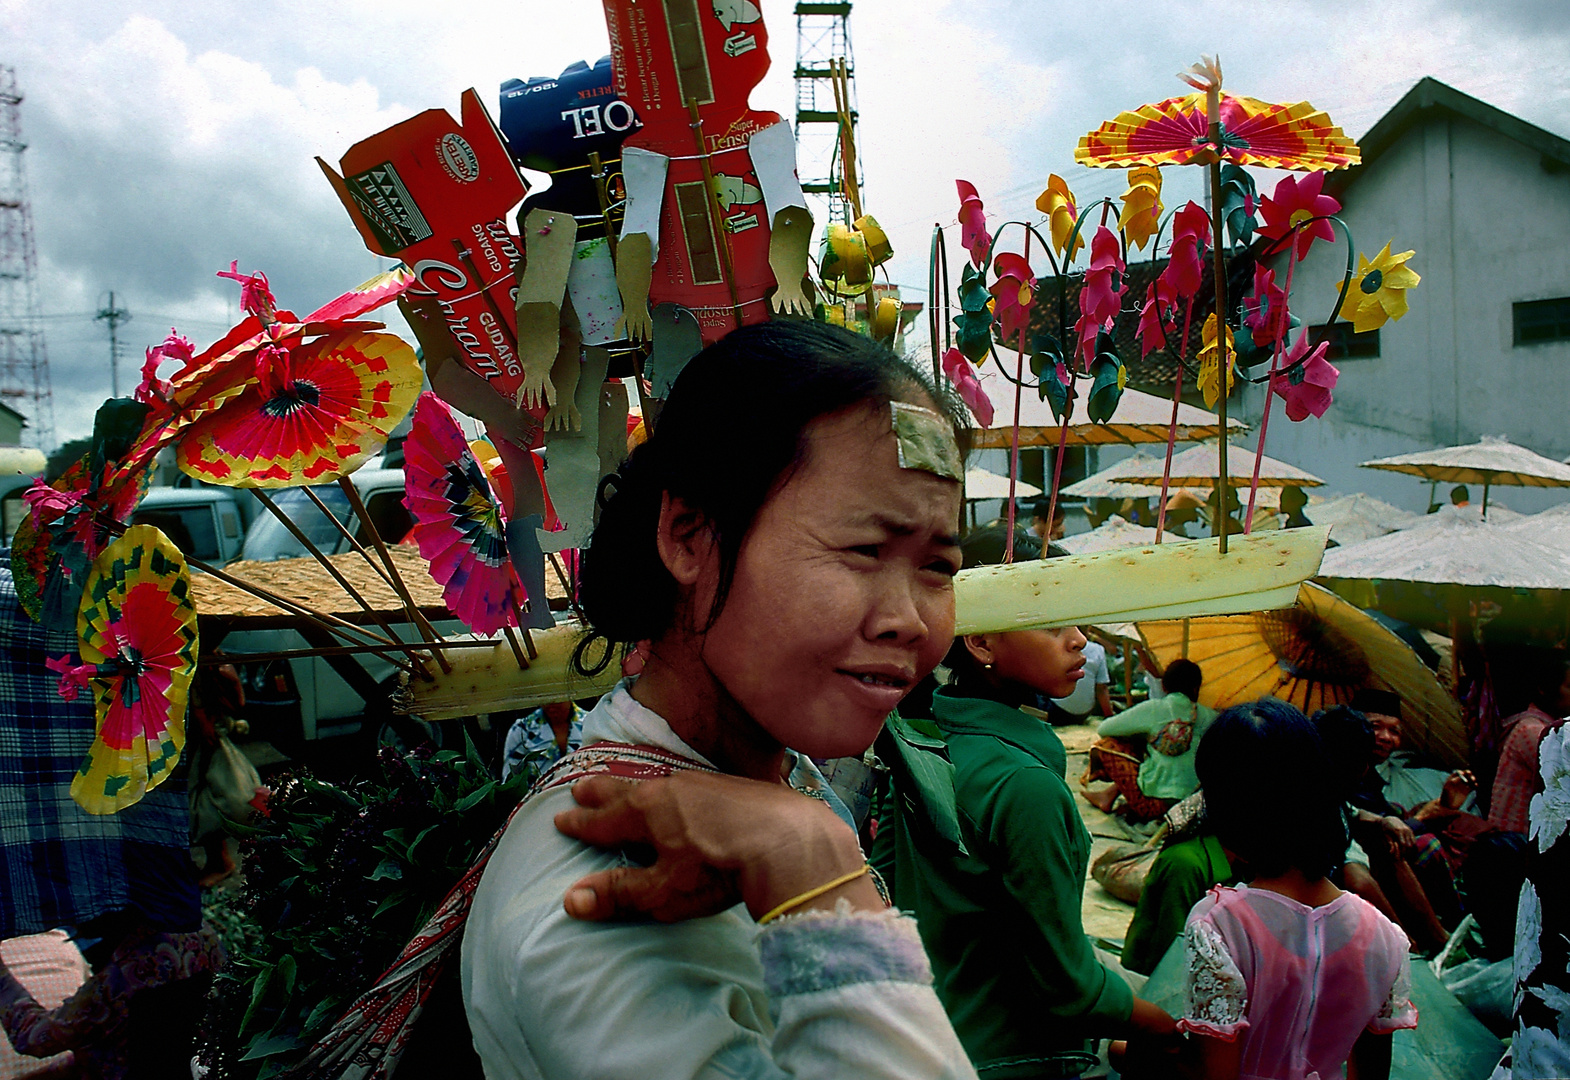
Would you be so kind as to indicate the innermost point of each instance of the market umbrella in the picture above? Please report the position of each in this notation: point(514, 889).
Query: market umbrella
point(1494, 460)
point(1454, 549)
point(1101, 485)
point(1138, 418)
point(315, 414)
point(1111, 533)
point(137, 631)
point(1357, 517)
point(981, 484)
point(1197, 468)
point(459, 525)
point(1315, 654)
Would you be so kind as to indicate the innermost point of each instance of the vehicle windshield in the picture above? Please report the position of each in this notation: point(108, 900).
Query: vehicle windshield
point(191, 528)
point(268, 539)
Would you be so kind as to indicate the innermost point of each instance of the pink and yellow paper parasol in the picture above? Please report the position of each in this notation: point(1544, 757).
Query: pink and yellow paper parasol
point(459, 525)
point(315, 413)
point(137, 627)
point(1177, 132)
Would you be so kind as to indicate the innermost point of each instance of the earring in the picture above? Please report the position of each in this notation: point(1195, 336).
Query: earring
point(987, 666)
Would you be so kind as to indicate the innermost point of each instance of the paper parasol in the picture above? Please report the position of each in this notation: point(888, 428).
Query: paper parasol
point(1176, 132)
point(459, 526)
point(137, 627)
point(316, 414)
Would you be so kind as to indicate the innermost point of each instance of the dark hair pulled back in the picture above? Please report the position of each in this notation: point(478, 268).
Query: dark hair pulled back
point(732, 430)
point(1270, 794)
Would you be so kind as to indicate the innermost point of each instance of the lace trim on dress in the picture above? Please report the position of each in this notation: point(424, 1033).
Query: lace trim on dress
point(1216, 997)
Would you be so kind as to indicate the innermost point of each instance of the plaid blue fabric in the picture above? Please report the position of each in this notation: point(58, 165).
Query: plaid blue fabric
point(59, 865)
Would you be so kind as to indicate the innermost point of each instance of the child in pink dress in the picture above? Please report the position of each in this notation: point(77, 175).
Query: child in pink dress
point(1289, 978)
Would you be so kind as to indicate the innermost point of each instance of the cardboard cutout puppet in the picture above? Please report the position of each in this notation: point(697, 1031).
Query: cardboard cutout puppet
point(567, 295)
point(435, 194)
point(712, 226)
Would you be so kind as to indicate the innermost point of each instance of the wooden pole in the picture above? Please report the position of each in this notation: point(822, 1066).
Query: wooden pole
point(336, 650)
point(427, 631)
point(348, 535)
point(517, 652)
point(528, 641)
point(1225, 360)
point(316, 553)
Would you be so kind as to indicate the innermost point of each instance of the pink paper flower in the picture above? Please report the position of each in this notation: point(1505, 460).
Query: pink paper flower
point(1267, 308)
point(960, 373)
point(973, 234)
point(1185, 270)
point(1305, 384)
point(1101, 298)
point(256, 298)
point(1157, 319)
point(74, 678)
point(47, 503)
point(1296, 201)
point(1013, 293)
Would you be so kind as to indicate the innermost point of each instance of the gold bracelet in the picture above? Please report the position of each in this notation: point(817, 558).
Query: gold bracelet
point(813, 894)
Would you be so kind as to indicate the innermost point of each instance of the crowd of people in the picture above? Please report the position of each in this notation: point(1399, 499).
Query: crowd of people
point(683, 894)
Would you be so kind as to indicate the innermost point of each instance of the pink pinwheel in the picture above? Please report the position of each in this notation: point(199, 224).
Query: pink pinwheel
point(973, 234)
point(969, 388)
point(1157, 319)
point(1014, 293)
point(1297, 201)
point(1185, 263)
point(1267, 308)
point(1305, 384)
point(1101, 298)
point(459, 526)
point(256, 297)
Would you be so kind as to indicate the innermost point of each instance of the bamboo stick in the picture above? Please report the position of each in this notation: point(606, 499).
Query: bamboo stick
point(221, 657)
point(427, 631)
point(715, 218)
point(348, 534)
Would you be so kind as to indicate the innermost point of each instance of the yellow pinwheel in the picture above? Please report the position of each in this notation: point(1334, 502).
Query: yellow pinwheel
point(1141, 205)
point(1378, 290)
point(1210, 363)
point(1057, 202)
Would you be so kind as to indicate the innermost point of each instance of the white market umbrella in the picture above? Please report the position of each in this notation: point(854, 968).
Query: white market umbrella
point(1494, 460)
point(1357, 517)
point(1111, 533)
point(1454, 549)
point(1198, 468)
point(981, 484)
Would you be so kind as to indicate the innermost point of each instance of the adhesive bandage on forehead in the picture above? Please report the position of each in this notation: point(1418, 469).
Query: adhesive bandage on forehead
point(926, 441)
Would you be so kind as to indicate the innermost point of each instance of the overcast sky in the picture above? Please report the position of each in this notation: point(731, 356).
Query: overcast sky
point(168, 138)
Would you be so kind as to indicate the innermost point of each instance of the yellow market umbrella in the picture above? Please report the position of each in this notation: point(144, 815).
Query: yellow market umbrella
point(1315, 654)
point(1138, 418)
point(1494, 460)
point(1197, 468)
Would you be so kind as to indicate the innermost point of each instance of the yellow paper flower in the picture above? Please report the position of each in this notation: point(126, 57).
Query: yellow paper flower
point(1057, 202)
point(1210, 364)
point(1378, 290)
point(1141, 205)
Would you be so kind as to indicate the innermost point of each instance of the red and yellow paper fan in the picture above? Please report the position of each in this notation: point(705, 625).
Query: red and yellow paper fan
point(1177, 131)
point(459, 524)
point(137, 631)
point(317, 412)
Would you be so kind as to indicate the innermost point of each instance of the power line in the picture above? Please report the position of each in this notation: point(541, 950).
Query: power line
point(114, 316)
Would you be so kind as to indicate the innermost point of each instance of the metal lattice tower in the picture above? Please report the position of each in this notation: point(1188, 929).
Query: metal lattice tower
point(24, 362)
point(822, 41)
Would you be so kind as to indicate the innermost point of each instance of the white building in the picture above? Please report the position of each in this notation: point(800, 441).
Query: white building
point(1484, 199)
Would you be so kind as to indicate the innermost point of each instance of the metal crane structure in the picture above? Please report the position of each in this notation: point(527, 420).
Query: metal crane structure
point(826, 107)
point(24, 360)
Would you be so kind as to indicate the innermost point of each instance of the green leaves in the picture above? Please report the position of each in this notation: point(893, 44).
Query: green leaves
point(1053, 382)
point(1107, 378)
point(1237, 201)
point(974, 322)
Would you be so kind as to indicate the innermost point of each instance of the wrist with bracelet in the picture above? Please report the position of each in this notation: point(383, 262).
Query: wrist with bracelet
point(812, 894)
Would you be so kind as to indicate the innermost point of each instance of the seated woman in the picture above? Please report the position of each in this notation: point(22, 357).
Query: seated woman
point(784, 544)
point(1288, 976)
point(1178, 878)
point(1537, 682)
point(1161, 736)
point(999, 908)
